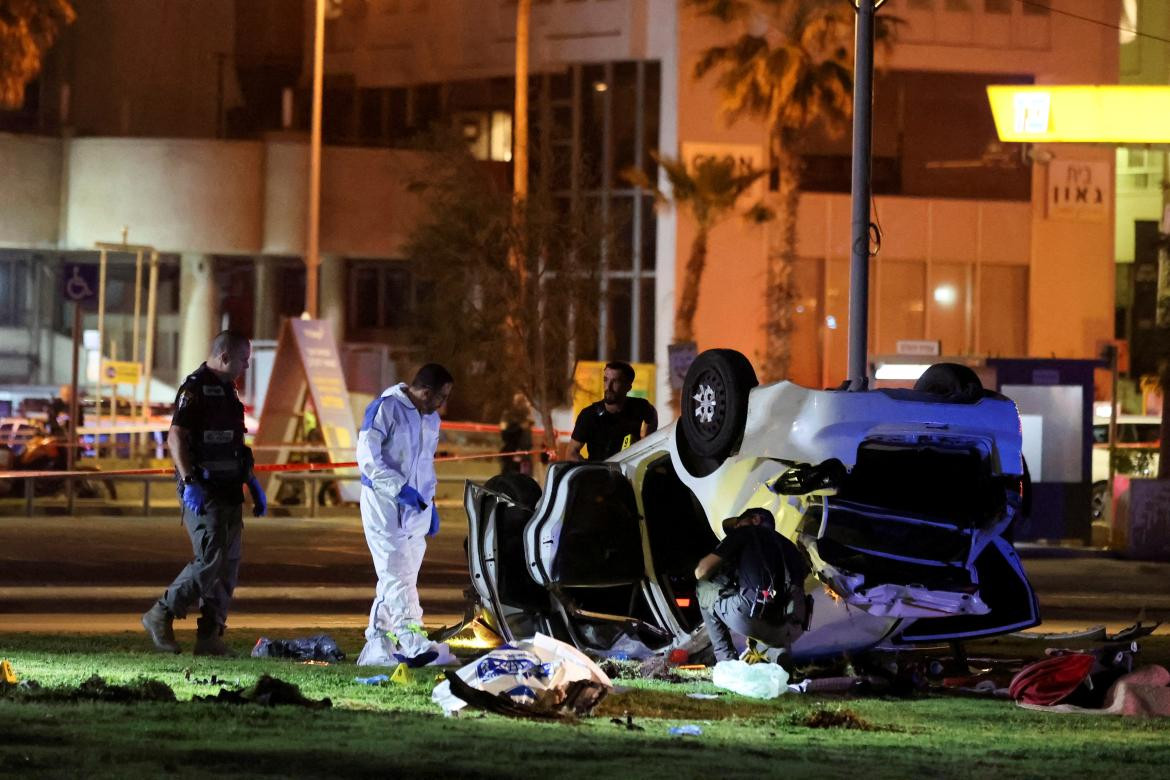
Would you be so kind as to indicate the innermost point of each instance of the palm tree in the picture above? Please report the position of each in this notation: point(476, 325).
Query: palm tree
point(28, 29)
point(792, 68)
point(709, 190)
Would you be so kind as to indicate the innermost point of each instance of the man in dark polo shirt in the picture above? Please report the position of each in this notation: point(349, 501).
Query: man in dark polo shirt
point(615, 422)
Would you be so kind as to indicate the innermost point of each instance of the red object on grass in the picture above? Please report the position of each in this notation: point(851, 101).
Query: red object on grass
point(1051, 680)
point(679, 656)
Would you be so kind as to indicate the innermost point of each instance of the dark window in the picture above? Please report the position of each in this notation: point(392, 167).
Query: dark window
point(382, 295)
point(14, 284)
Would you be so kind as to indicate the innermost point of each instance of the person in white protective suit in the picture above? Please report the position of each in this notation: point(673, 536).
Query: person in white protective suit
point(396, 456)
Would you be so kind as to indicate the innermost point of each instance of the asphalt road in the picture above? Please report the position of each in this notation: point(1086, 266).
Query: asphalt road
point(101, 573)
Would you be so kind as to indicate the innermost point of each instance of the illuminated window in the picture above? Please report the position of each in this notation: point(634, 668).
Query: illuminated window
point(500, 146)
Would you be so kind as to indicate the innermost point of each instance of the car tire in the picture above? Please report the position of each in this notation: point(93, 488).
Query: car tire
point(953, 381)
point(1100, 497)
point(713, 409)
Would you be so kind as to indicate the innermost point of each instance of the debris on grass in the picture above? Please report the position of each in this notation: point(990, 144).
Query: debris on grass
point(686, 730)
point(836, 718)
point(321, 647)
point(377, 679)
point(628, 723)
point(268, 692)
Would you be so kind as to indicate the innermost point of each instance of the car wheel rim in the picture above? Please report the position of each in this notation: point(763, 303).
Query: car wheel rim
point(710, 404)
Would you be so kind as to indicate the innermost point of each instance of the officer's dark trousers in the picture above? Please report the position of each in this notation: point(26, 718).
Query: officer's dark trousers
point(733, 613)
point(211, 576)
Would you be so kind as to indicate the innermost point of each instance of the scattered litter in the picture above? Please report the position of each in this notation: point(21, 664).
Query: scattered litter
point(377, 679)
point(314, 648)
point(679, 656)
point(7, 673)
point(541, 678)
point(315, 663)
point(691, 667)
point(759, 681)
point(702, 696)
point(689, 730)
point(268, 692)
point(628, 723)
point(831, 719)
point(213, 680)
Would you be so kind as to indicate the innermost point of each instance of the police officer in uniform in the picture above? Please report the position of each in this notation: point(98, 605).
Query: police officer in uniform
point(753, 584)
point(212, 465)
point(616, 421)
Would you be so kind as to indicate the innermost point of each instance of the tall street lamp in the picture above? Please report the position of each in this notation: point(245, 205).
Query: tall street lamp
point(313, 237)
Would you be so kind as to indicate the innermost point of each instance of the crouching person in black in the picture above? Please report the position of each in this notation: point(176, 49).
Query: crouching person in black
point(753, 584)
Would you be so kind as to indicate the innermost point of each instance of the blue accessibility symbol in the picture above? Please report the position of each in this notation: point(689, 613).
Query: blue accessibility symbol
point(80, 282)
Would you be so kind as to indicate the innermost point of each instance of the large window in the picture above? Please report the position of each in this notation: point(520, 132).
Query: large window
point(602, 119)
point(933, 137)
point(969, 308)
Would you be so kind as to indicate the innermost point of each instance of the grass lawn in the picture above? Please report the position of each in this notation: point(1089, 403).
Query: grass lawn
point(394, 729)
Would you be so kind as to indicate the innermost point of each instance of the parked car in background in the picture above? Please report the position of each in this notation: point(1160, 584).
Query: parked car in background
point(901, 500)
point(1136, 452)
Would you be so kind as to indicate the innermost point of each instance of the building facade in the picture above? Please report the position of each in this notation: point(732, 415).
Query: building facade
point(973, 253)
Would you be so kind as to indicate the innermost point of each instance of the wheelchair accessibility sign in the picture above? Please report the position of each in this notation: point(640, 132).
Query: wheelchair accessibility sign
point(80, 283)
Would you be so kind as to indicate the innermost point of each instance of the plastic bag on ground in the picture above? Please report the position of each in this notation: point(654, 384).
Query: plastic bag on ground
point(522, 672)
point(759, 681)
point(321, 647)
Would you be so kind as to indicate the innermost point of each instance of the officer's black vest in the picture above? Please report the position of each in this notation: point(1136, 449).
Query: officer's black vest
point(217, 438)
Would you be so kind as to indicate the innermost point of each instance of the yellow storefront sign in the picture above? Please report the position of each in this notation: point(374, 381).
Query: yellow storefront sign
point(1103, 114)
point(120, 372)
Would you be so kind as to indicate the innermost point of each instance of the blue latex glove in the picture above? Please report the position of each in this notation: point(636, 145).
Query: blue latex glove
point(434, 529)
point(410, 497)
point(259, 500)
point(194, 497)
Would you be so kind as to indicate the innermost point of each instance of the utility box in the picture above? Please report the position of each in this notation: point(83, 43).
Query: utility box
point(1055, 400)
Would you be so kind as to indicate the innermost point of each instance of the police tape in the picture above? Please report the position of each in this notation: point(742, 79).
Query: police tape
point(259, 468)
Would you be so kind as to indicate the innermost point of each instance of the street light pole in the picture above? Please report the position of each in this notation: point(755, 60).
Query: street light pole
point(312, 240)
point(859, 236)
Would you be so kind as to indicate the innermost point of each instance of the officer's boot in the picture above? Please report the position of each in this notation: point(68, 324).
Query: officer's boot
point(209, 639)
point(159, 623)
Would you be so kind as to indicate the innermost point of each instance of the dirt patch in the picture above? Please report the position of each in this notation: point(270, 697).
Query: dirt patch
point(93, 689)
point(664, 704)
point(838, 718)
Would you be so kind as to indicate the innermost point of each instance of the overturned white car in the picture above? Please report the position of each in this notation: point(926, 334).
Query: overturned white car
point(900, 499)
